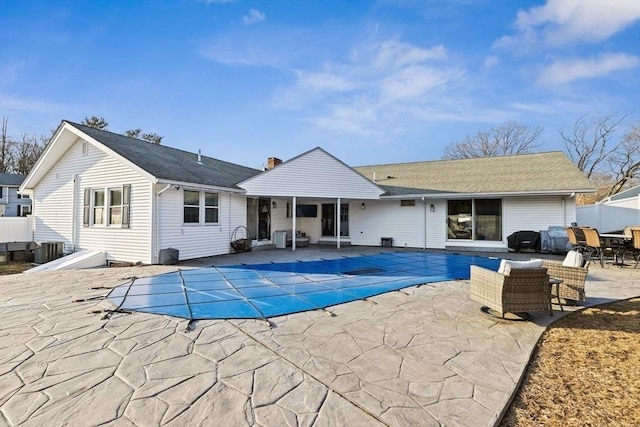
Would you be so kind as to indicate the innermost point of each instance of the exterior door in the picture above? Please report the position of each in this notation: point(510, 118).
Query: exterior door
point(328, 219)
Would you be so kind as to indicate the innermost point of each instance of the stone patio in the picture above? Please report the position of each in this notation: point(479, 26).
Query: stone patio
point(423, 356)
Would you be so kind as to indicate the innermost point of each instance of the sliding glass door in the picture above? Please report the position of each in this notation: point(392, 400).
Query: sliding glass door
point(474, 219)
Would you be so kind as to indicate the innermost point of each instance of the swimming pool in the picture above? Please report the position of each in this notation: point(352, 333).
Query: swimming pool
point(260, 291)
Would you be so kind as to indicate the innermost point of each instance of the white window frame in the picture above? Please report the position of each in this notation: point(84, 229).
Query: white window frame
point(23, 208)
point(89, 206)
point(198, 206)
point(94, 192)
point(111, 206)
point(215, 208)
point(202, 208)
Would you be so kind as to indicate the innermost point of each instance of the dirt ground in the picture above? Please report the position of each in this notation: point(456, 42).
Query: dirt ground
point(585, 371)
point(14, 267)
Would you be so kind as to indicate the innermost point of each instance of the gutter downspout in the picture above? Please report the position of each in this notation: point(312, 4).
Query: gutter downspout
point(156, 238)
point(74, 226)
point(564, 208)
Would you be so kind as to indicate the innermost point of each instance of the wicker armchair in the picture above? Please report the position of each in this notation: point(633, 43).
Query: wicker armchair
point(522, 290)
point(573, 279)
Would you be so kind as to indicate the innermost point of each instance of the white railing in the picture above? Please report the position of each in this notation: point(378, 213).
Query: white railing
point(16, 229)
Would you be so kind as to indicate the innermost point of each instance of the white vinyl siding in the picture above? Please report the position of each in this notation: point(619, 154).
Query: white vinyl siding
point(55, 198)
point(386, 218)
point(314, 174)
point(194, 241)
point(537, 213)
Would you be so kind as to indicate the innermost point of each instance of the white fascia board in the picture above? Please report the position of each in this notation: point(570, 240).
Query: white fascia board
point(475, 195)
point(41, 167)
point(199, 186)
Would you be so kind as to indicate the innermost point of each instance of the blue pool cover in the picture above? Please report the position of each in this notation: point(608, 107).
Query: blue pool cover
point(260, 291)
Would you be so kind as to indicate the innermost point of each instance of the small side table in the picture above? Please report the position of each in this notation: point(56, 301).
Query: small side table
point(556, 282)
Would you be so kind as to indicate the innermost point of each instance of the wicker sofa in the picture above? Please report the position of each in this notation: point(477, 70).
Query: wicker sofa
point(521, 290)
point(573, 279)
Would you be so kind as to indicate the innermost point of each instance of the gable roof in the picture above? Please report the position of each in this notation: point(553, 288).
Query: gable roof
point(158, 162)
point(11, 179)
point(544, 173)
point(171, 164)
point(314, 173)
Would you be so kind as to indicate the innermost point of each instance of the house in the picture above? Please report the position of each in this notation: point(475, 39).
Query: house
point(97, 190)
point(12, 203)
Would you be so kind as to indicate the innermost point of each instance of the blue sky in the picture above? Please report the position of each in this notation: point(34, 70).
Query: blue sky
point(369, 81)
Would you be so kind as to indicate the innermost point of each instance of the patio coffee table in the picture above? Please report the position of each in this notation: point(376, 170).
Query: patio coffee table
point(553, 281)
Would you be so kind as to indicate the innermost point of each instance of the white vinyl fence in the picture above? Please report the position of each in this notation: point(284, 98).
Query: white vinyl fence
point(16, 229)
point(607, 218)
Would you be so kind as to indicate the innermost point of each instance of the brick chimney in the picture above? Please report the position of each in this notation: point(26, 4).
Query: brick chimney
point(272, 162)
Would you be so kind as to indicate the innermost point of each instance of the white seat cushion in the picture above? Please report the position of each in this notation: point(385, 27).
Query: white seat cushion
point(506, 265)
point(573, 259)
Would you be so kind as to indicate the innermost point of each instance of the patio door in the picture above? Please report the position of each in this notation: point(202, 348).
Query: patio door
point(259, 218)
point(328, 220)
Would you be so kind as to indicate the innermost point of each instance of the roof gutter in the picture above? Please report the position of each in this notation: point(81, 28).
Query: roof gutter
point(493, 194)
point(199, 186)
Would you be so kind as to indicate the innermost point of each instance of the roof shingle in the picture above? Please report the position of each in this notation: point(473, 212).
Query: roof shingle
point(171, 164)
point(540, 172)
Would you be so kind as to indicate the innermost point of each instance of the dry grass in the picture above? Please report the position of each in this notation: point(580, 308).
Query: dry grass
point(14, 267)
point(585, 371)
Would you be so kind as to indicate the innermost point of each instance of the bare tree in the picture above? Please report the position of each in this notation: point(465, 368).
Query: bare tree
point(5, 147)
point(624, 162)
point(594, 148)
point(26, 153)
point(510, 138)
point(95, 122)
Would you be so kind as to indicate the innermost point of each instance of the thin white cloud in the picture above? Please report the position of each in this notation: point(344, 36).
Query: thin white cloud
point(324, 81)
point(253, 17)
point(231, 52)
point(397, 54)
point(10, 102)
point(568, 70)
point(561, 22)
point(379, 87)
point(217, 1)
point(490, 62)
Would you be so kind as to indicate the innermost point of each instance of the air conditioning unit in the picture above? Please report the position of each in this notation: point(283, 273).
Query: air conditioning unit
point(48, 251)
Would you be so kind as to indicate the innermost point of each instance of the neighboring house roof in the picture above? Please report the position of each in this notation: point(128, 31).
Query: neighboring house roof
point(171, 164)
point(551, 172)
point(11, 179)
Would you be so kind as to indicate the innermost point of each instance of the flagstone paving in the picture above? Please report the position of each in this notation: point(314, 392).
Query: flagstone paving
point(422, 356)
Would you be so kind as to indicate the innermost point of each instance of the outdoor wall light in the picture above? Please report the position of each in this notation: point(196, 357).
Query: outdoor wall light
point(274, 204)
point(362, 206)
point(432, 208)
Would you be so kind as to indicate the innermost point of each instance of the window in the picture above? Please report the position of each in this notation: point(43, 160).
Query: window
point(115, 206)
point(98, 206)
point(210, 208)
point(103, 206)
point(0, 192)
point(474, 219)
point(24, 210)
point(22, 196)
point(191, 207)
point(408, 202)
